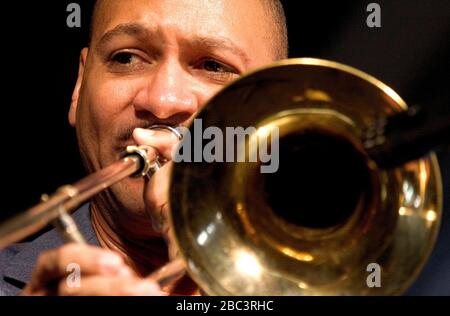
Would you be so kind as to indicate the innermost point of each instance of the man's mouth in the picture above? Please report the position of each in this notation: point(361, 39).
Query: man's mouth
point(121, 147)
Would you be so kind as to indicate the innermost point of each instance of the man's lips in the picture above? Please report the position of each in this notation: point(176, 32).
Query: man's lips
point(121, 147)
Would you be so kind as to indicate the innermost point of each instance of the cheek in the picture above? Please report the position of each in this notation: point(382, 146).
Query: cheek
point(111, 99)
point(205, 93)
point(102, 109)
point(106, 103)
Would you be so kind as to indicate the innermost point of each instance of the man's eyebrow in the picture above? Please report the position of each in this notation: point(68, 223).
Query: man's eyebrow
point(220, 43)
point(131, 29)
point(138, 30)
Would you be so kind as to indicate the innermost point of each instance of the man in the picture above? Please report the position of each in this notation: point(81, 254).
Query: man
point(149, 62)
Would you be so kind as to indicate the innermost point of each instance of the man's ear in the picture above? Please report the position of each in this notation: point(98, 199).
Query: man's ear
point(76, 90)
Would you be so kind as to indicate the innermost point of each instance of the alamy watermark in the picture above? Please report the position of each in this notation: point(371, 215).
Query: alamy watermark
point(74, 16)
point(374, 17)
point(374, 277)
point(73, 279)
point(234, 144)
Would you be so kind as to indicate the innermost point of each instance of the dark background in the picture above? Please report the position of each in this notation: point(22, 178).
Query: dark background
point(410, 53)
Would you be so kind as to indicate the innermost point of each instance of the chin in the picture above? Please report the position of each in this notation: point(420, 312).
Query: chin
point(128, 201)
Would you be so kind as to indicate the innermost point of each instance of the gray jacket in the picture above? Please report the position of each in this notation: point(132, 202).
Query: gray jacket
point(17, 262)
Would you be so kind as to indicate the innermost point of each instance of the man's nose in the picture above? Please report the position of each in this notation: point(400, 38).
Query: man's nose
point(168, 95)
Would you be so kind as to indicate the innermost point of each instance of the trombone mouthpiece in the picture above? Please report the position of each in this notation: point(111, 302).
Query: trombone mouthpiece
point(147, 167)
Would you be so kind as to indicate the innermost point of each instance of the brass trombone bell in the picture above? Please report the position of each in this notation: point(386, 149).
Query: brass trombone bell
point(313, 227)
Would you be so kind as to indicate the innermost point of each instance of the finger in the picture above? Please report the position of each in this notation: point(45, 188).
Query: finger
point(110, 286)
point(157, 197)
point(56, 263)
point(163, 141)
point(160, 185)
point(157, 206)
point(29, 291)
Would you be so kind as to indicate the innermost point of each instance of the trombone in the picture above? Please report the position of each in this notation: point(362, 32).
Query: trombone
point(351, 189)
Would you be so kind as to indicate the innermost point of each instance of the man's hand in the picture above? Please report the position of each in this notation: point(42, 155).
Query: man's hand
point(102, 272)
point(156, 191)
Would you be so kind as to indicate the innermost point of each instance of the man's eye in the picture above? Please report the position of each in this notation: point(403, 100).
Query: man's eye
point(216, 71)
point(215, 66)
point(126, 62)
point(123, 58)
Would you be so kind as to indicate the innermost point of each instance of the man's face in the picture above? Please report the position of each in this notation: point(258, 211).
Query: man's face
point(158, 62)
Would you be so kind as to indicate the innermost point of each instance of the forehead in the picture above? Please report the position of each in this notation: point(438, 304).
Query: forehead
point(243, 21)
